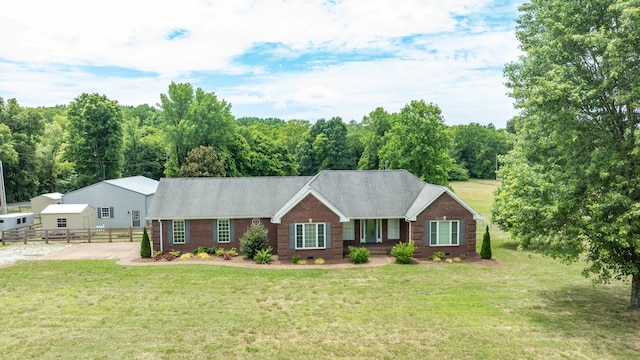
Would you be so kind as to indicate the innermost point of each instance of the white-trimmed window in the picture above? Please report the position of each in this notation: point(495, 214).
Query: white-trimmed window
point(178, 232)
point(224, 231)
point(393, 229)
point(105, 212)
point(62, 223)
point(348, 231)
point(444, 233)
point(310, 236)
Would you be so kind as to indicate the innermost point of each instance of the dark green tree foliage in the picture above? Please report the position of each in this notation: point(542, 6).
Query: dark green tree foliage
point(324, 147)
point(145, 245)
point(267, 157)
point(95, 138)
point(22, 129)
point(485, 250)
point(571, 186)
point(55, 173)
point(202, 162)
point(419, 142)
point(477, 147)
point(375, 127)
point(254, 240)
point(194, 118)
point(144, 151)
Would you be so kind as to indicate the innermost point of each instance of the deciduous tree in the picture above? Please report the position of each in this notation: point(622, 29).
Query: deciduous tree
point(95, 138)
point(419, 142)
point(576, 167)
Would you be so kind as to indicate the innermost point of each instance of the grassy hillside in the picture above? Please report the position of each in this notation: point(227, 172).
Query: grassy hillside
point(522, 306)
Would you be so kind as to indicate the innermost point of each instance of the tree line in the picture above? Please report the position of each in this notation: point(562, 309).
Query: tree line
point(192, 132)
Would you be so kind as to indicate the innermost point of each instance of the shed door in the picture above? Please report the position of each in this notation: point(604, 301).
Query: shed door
point(135, 218)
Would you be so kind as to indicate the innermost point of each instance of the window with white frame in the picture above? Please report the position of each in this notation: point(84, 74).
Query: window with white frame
point(105, 212)
point(310, 236)
point(61, 223)
point(178, 232)
point(443, 233)
point(393, 229)
point(224, 231)
point(348, 231)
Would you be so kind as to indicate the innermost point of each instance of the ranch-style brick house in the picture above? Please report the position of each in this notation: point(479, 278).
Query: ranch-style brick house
point(313, 216)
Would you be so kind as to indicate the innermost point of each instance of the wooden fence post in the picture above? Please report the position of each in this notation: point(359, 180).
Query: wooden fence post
point(110, 232)
point(89, 234)
point(130, 234)
point(68, 236)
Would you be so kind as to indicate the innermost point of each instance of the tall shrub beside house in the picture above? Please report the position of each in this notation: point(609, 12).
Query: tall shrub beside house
point(485, 251)
point(254, 240)
point(145, 246)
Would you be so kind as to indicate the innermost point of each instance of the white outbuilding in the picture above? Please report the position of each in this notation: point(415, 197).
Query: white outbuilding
point(68, 216)
point(40, 202)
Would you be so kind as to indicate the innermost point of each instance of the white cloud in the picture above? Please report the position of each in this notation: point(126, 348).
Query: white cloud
point(47, 59)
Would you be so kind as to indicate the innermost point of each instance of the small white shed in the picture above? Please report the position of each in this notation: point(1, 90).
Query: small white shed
point(68, 216)
point(40, 202)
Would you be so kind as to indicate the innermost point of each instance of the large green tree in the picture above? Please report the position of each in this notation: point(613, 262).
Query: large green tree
point(477, 147)
point(56, 173)
point(194, 118)
point(95, 138)
point(375, 127)
point(571, 186)
point(324, 147)
point(144, 150)
point(25, 128)
point(419, 142)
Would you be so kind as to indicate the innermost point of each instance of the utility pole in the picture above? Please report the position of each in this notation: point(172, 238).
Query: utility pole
point(3, 194)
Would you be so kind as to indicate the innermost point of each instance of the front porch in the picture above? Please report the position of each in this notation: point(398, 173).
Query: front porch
point(383, 248)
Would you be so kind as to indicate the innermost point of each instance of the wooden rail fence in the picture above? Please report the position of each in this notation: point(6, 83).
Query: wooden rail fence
point(31, 234)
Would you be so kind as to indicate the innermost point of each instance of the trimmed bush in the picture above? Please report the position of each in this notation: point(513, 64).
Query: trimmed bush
point(485, 250)
point(319, 261)
point(437, 255)
point(145, 246)
point(403, 252)
point(254, 240)
point(295, 258)
point(358, 255)
point(263, 256)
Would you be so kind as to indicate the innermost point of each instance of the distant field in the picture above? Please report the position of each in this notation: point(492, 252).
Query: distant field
point(522, 306)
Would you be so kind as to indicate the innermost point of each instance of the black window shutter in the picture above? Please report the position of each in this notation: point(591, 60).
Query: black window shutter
point(232, 231)
point(215, 230)
point(292, 236)
point(111, 213)
point(461, 234)
point(170, 232)
point(99, 213)
point(327, 235)
point(427, 233)
point(187, 233)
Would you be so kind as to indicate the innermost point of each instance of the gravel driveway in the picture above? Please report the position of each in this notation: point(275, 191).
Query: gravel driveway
point(117, 250)
point(16, 252)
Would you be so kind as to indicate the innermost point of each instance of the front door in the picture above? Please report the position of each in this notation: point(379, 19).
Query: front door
point(370, 230)
point(135, 218)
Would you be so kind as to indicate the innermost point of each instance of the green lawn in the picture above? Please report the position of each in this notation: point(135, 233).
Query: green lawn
point(525, 307)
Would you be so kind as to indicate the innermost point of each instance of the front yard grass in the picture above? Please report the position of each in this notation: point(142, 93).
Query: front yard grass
point(524, 306)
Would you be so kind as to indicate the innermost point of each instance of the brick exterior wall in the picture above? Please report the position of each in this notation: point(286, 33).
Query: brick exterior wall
point(308, 210)
point(445, 205)
point(201, 234)
point(200, 231)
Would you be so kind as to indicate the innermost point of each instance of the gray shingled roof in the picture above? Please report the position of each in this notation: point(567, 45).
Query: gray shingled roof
point(369, 194)
point(210, 198)
point(356, 194)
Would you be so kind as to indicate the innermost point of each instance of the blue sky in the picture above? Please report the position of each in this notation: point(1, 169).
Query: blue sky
point(292, 59)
